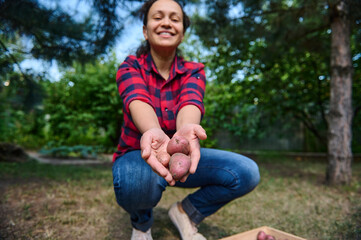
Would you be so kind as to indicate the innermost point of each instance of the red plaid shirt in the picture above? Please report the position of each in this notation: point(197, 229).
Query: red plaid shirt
point(139, 79)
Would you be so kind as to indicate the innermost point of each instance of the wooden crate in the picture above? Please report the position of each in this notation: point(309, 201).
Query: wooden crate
point(252, 234)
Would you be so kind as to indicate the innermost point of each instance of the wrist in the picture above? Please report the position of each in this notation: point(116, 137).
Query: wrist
point(146, 129)
point(189, 114)
point(187, 125)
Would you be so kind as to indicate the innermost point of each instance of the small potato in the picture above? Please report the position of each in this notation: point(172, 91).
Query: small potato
point(261, 235)
point(179, 165)
point(269, 237)
point(178, 144)
point(163, 158)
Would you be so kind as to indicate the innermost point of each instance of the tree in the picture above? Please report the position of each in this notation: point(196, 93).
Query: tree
point(340, 115)
point(55, 34)
point(281, 51)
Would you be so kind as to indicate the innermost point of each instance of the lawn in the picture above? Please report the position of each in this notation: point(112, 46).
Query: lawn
point(42, 201)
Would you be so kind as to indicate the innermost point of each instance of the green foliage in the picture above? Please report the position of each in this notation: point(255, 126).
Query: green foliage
point(84, 107)
point(50, 32)
point(227, 109)
point(21, 95)
point(278, 54)
point(79, 151)
point(7, 66)
point(20, 109)
point(22, 128)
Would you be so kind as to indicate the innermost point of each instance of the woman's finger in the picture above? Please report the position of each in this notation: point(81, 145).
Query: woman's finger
point(159, 169)
point(145, 145)
point(195, 156)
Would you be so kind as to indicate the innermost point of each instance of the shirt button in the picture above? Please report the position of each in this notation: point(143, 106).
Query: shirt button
point(166, 109)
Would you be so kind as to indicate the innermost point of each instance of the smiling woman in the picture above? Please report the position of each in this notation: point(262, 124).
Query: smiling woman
point(162, 98)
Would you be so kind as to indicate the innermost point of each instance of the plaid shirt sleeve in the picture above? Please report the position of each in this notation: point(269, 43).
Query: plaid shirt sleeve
point(193, 87)
point(131, 85)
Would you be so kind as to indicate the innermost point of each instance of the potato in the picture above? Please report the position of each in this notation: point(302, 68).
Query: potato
point(261, 235)
point(163, 158)
point(269, 237)
point(178, 144)
point(179, 165)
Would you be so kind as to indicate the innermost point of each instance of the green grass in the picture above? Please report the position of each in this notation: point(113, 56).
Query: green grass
point(32, 169)
point(42, 201)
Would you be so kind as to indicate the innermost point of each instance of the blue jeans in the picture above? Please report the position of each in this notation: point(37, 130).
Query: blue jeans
point(221, 176)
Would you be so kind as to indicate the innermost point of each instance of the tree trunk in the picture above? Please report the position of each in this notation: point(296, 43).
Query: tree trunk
point(340, 115)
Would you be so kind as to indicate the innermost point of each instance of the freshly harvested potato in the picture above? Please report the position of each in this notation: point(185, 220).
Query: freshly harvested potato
point(261, 235)
point(270, 237)
point(163, 158)
point(179, 165)
point(178, 144)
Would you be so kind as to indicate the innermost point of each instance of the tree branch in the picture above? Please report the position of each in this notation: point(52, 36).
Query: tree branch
point(14, 60)
point(303, 117)
point(275, 11)
point(319, 100)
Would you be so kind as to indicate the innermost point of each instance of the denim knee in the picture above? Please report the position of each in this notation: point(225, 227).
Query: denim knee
point(136, 186)
point(248, 177)
point(132, 198)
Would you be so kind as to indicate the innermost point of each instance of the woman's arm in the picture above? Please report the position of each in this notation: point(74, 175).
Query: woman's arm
point(153, 140)
point(143, 115)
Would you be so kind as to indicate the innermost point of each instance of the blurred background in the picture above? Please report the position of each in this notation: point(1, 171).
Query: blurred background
point(267, 63)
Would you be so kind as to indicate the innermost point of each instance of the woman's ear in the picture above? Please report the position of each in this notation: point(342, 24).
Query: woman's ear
point(145, 32)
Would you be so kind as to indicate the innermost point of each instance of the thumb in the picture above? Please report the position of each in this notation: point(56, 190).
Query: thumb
point(145, 144)
point(200, 132)
point(195, 156)
point(145, 153)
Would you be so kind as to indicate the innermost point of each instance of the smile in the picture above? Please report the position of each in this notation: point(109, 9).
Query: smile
point(165, 34)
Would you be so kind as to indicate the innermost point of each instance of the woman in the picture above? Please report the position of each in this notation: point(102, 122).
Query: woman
point(163, 96)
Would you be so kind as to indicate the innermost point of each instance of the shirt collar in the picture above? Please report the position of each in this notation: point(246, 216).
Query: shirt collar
point(148, 63)
point(177, 66)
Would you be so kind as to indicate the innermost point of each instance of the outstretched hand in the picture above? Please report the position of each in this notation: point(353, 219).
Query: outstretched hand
point(192, 132)
point(153, 142)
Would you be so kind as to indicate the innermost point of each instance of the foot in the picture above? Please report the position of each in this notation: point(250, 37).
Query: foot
point(139, 235)
point(185, 226)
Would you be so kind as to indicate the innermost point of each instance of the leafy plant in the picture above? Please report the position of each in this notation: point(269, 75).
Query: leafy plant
point(80, 151)
point(84, 106)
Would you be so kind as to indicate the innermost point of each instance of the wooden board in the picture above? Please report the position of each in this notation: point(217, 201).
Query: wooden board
point(252, 234)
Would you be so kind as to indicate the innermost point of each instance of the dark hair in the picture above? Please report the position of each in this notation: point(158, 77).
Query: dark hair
point(143, 14)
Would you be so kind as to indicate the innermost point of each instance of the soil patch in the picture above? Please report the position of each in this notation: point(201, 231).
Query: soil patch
point(12, 153)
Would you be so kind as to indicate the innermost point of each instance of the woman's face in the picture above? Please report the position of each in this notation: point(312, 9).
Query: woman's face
point(164, 29)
